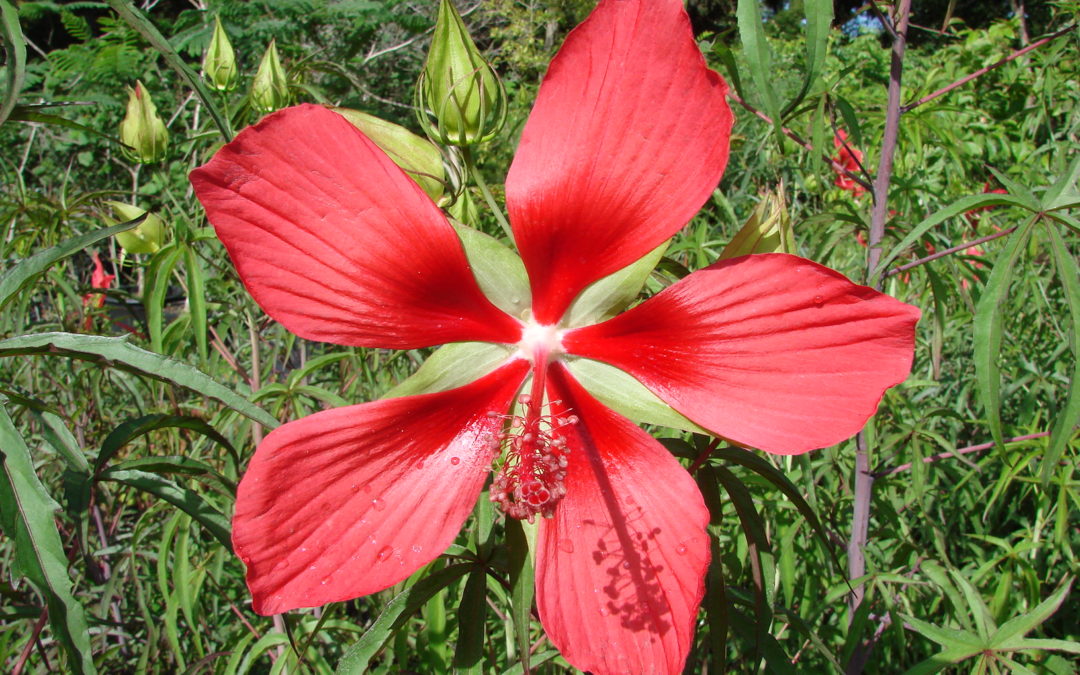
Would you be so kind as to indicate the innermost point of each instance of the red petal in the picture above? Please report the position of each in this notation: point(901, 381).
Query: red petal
point(350, 501)
point(333, 240)
point(620, 567)
point(770, 351)
point(628, 138)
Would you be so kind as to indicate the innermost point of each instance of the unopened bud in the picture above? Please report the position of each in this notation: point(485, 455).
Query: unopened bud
point(146, 237)
point(460, 99)
point(417, 156)
point(767, 230)
point(219, 64)
point(142, 131)
point(270, 88)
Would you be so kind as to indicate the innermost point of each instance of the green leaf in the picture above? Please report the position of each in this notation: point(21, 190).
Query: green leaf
point(941, 660)
point(395, 615)
point(946, 637)
point(988, 329)
point(520, 544)
point(1065, 426)
point(196, 293)
point(23, 273)
point(26, 517)
point(606, 297)
point(959, 207)
point(498, 270)
point(188, 501)
point(116, 352)
point(1062, 194)
point(132, 429)
point(453, 365)
point(819, 16)
point(15, 47)
point(143, 26)
point(1016, 628)
point(759, 58)
point(770, 473)
point(158, 273)
point(622, 393)
point(469, 654)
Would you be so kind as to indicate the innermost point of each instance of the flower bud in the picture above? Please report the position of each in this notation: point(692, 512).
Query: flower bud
point(270, 89)
point(417, 156)
point(142, 131)
point(219, 64)
point(767, 230)
point(457, 86)
point(146, 237)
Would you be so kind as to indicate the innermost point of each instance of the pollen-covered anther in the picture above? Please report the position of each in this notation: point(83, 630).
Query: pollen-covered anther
point(532, 477)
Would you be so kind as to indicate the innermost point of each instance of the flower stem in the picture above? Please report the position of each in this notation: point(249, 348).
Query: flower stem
point(474, 172)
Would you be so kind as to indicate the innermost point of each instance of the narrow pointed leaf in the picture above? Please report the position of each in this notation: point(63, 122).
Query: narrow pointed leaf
point(15, 68)
point(397, 612)
point(989, 317)
point(759, 57)
point(188, 501)
point(119, 353)
point(1064, 427)
point(23, 273)
point(26, 517)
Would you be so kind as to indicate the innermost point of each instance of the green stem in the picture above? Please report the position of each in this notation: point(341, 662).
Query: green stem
point(474, 172)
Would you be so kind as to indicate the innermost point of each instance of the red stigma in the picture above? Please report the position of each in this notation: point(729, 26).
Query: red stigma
point(532, 478)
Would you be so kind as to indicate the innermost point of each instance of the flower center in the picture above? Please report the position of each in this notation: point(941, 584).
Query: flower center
point(532, 477)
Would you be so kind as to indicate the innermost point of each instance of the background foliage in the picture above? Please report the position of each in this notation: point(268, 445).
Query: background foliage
point(125, 428)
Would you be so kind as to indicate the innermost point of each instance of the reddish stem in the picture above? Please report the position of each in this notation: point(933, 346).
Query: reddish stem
point(982, 71)
point(948, 251)
point(962, 451)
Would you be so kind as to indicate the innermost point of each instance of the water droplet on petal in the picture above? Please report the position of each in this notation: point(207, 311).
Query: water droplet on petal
point(818, 300)
point(626, 564)
point(681, 550)
point(325, 581)
point(355, 488)
point(604, 611)
point(378, 504)
point(385, 553)
point(455, 460)
point(566, 546)
point(416, 548)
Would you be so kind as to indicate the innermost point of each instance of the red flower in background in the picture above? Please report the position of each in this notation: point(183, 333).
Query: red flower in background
point(628, 137)
point(851, 161)
point(98, 279)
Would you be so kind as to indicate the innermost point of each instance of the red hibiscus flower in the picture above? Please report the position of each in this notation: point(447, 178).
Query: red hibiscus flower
point(98, 279)
point(628, 138)
point(851, 160)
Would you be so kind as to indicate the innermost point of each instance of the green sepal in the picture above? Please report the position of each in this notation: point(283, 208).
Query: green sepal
point(625, 395)
point(606, 297)
point(417, 156)
point(453, 365)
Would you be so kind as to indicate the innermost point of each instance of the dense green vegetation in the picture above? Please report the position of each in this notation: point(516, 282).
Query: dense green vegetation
point(125, 425)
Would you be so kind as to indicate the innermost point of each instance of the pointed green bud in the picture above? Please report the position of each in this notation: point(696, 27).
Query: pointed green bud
point(767, 230)
point(417, 156)
point(270, 88)
point(460, 98)
point(147, 237)
point(219, 64)
point(142, 131)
